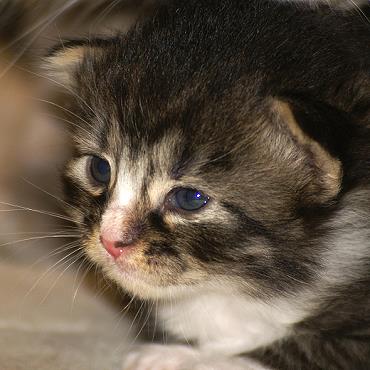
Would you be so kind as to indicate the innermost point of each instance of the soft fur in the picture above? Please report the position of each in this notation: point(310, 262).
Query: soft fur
point(265, 107)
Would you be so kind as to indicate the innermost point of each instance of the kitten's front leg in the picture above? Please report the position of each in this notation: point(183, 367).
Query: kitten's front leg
point(181, 357)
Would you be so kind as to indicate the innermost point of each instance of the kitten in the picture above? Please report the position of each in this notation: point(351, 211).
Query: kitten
point(222, 170)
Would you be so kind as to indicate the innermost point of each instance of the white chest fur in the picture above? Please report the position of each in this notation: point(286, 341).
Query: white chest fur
point(228, 324)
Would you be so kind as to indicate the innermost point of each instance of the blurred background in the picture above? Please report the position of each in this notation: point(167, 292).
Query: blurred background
point(54, 312)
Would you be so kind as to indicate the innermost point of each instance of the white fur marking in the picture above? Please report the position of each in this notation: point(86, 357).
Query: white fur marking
point(223, 323)
point(125, 193)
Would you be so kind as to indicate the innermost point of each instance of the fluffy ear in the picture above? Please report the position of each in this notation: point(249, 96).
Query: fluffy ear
point(64, 61)
point(319, 144)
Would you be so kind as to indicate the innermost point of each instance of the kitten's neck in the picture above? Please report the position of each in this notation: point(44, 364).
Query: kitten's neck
point(229, 324)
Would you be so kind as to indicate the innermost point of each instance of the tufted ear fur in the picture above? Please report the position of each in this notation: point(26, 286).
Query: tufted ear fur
point(312, 137)
point(63, 62)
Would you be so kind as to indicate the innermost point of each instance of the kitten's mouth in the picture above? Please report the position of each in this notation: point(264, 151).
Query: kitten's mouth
point(126, 261)
point(142, 274)
point(129, 258)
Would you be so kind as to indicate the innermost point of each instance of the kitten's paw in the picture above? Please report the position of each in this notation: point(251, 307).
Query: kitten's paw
point(178, 357)
point(160, 357)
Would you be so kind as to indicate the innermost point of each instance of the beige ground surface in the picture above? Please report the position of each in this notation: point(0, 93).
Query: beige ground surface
point(44, 324)
point(47, 329)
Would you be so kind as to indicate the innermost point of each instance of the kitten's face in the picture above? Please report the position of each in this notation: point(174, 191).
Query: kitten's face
point(175, 194)
point(186, 178)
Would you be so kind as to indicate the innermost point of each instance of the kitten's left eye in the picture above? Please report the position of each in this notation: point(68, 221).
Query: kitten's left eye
point(100, 170)
point(187, 199)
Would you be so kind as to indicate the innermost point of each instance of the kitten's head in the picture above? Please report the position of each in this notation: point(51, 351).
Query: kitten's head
point(188, 172)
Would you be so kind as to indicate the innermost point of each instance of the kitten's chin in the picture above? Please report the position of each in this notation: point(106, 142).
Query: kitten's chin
point(145, 286)
point(132, 272)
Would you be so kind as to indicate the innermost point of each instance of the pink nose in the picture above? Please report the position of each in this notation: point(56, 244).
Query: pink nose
point(114, 248)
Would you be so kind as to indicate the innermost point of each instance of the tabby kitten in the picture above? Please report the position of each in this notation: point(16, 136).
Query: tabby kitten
point(222, 170)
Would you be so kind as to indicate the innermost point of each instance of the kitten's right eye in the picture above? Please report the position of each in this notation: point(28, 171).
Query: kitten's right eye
point(187, 199)
point(100, 170)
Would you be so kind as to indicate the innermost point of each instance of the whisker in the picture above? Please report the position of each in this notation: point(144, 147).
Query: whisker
point(60, 40)
point(128, 305)
point(102, 290)
point(11, 210)
point(35, 27)
point(38, 238)
point(122, 313)
point(36, 232)
point(88, 194)
point(359, 10)
point(88, 269)
point(103, 14)
point(155, 319)
point(43, 212)
point(66, 229)
point(64, 109)
point(63, 248)
point(74, 260)
point(52, 195)
point(73, 93)
point(134, 319)
point(37, 211)
point(33, 38)
point(49, 269)
point(144, 324)
point(67, 121)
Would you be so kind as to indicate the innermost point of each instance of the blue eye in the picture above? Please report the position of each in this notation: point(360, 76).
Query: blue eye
point(189, 199)
point(100, 170)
